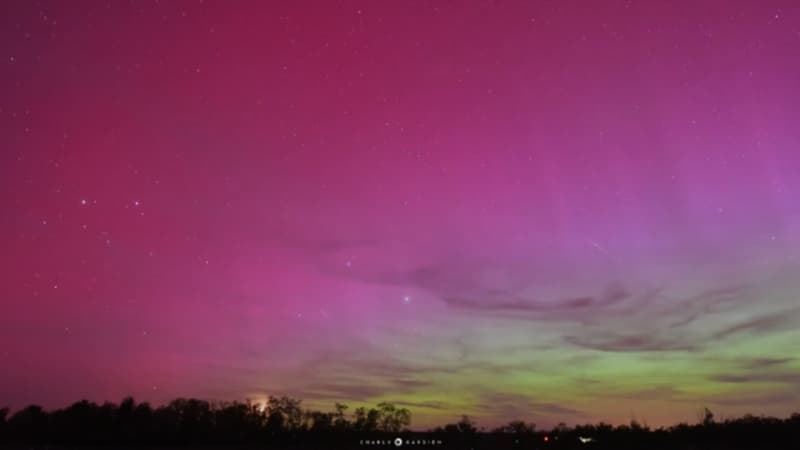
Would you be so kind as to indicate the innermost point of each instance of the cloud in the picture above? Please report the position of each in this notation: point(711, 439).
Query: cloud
point(521, 407)
point(466, 288)
point(656, 330)
point(339, 391)
point(630, 343)
point(763, 324)
point(616, 318)
point(500, 301)
point(749, 399)
point(654, 393)
point(760, 363)
point(710, 301)
point(622, 315)
point(422, 405)
point(792, 378)
point(358, 388)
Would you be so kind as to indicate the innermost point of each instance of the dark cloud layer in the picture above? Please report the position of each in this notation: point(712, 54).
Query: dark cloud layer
point(523, 407)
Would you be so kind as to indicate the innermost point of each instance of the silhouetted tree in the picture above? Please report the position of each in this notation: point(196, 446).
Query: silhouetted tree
point(125, 425)
point(288, 410)
point(284, 424)
point(319, 421)
point(391, 418)
point(463, 426)
point(466, 425)
point(708, 417)
point(365, 420)
point(29, 425)
point(143, 422)
point(238, 422)
point(517, 427)
point(340, 421)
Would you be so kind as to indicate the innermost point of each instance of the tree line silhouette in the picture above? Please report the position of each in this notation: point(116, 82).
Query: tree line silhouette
point(190, 421)
point(284, 423)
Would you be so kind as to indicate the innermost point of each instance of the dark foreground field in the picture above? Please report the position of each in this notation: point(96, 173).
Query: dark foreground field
point(692, 437)
point(472, 444)
point(282, 424)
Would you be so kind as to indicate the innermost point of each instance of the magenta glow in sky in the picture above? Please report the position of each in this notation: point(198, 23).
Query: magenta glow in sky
point(549, 211)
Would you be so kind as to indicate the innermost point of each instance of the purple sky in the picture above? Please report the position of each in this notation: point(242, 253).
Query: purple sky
point(553, 211)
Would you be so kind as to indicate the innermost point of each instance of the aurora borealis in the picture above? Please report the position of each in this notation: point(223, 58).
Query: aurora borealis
point(549, 211)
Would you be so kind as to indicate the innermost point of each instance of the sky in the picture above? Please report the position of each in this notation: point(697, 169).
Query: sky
point(548, 211)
